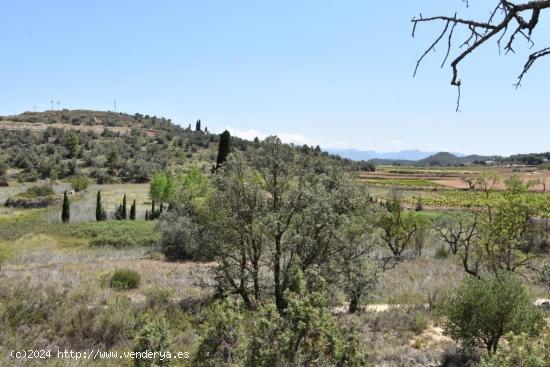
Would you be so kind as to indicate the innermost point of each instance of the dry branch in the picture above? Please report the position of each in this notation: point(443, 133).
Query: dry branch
point(522, 18)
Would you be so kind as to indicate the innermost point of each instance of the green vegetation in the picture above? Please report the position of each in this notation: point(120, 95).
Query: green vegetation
point(404, 182)
point(113, 233)
point(79, 183)
point(124, 279)
point(482, 311)
point(37, 191)
point(280, 256)
point(66, 209)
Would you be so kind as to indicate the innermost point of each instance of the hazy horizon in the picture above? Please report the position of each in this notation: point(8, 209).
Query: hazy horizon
point(337, 74)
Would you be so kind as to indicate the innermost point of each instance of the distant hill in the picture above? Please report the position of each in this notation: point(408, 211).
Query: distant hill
point(111, 147)
point(374, 156)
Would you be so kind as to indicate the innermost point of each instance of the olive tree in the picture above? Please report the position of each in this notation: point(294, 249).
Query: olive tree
point(483, 310)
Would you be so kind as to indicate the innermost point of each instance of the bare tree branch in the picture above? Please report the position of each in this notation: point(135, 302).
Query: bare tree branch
point(523, 18)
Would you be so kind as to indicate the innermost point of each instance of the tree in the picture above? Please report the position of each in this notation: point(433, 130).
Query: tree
point(471, 182)
point(223, 148)
point(398, 226)
point(356, 268)
point(162, 187)
point(504, 228)
point(133, 211)
point(484, 310)
point(198, 125)
point(520, 19)
point(124, 212)
point(121, 210)
point(65, 209)
point(460, 231)
point(100, 214)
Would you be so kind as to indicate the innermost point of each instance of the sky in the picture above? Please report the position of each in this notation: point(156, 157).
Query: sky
point(337, 73)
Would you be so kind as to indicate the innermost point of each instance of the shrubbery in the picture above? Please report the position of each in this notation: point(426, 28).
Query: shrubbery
point(482, 311)
point(124, 279)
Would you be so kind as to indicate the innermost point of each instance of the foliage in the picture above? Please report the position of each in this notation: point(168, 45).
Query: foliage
point(180, 237)
point(66, 209)
point(79, 183)
point(133, 211)
point(112, 233)
point(398, 225)
point(482, 311)
point(37, 191)
point(223, 148)
point(100, 213)
point(162, 187)
point(124, 279)
point(121, 210)
point(521, 350)
point(223, 339)
point(152, 337)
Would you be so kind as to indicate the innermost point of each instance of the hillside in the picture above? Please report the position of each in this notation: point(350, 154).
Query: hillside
point(106, 146)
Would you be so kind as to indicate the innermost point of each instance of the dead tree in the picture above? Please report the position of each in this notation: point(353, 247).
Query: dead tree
point(507, 21)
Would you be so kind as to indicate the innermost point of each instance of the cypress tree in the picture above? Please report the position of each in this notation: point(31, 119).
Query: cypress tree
point(223, 148)
point(99, 212)
point(152, 214)
point(65, 210)
point(146, 214)
point(133, 211)
point(198, 125)
point(124, 213)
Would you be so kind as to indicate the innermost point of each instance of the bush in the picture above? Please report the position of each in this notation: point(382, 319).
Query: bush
point(179, 237)
point(124, 279)
point(5, 254)
point(522, 351)
point(484, 310)
point(152, 337)
point(79, 183)
point(118, 234)
point(37, 191)
point(441, 253)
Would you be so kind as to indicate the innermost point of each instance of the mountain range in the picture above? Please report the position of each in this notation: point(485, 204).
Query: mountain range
point(404, 155)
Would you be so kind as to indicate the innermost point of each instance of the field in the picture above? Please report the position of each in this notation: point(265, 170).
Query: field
point(62, 270)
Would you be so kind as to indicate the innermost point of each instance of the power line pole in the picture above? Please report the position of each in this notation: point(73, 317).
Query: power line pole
point(58, 103)
point(115, 104)
point(51, 102)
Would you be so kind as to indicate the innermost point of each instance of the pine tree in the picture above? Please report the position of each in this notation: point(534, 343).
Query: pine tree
point(198, 125)
point(133, 211)
point(99, 212)
point(223, 148)
point(124, 212)
point(65, 210)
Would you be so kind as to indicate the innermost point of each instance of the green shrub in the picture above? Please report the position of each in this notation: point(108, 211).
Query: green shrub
point(441, 253)
point(521, 350)
point(152, 337)
point(5, 254)
point(118, 234)
point(37, 191)
point(483, 310)
point(79, 183)
point(124, 279)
